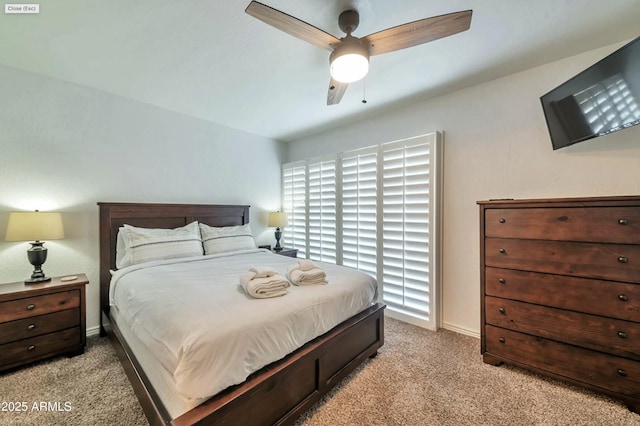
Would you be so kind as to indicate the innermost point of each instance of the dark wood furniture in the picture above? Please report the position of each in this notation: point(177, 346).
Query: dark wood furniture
point(278, 393)
point(291, 252)
point(560, 290)
point(39, 321)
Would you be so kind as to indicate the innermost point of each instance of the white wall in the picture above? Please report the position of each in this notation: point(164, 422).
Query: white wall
point(496, 145)
point(65, 147)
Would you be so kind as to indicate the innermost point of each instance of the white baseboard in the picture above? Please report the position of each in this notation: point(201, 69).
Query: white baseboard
point(93, 331)
point(461, 330)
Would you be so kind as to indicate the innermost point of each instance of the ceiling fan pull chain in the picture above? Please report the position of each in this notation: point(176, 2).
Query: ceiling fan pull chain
point(364, 90)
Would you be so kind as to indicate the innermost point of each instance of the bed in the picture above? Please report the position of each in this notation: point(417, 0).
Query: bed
point(276, 393)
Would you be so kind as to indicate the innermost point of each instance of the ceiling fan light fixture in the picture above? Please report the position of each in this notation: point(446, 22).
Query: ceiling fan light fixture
point(350, 61)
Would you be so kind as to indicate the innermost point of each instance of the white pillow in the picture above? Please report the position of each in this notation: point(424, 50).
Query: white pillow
point(225, 239)
point(146, 244)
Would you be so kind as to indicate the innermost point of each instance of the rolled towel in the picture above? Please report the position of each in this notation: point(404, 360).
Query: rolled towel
point(263, 271)
point(315, 276)
point(265, 287)
point(306, 264)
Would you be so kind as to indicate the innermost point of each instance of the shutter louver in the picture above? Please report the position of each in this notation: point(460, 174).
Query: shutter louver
point(294, 197)
point(405, 227)
point(322, 211)
point(359, 206)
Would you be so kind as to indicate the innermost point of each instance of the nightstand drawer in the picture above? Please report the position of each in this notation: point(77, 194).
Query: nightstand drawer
point(36, 326)
point(38, 305)
point(24, 350)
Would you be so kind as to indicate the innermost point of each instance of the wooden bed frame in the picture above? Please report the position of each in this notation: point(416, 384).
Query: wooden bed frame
point(277, 394)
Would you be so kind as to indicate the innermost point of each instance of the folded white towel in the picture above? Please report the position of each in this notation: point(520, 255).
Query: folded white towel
point(264, 287)
point(306, 277)
point(263, 271)
point(310, 277)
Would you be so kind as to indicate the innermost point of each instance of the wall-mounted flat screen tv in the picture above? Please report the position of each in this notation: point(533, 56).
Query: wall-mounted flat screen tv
point(602, 99)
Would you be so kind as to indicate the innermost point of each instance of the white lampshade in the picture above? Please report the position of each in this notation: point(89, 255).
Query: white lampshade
point(278, 220)
point(350, 61)
point(34, 226)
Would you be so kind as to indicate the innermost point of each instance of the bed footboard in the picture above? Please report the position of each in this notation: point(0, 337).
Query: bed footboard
point(279, 393)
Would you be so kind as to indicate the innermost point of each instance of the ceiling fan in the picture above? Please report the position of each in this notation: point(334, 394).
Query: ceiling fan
point(349, 59)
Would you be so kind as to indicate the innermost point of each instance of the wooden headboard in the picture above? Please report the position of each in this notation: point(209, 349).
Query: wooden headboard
point(145, 215)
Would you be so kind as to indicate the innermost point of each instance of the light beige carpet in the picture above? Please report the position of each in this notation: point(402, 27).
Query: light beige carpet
point(418, 378)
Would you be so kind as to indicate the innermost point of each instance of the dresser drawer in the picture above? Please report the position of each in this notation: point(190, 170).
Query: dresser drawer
point(604, 334)
point(41, 324)
point(599, 224)
point(608, 298)
point(605, 371)
point(25, 350)
point(616, 262)
point(37, 305)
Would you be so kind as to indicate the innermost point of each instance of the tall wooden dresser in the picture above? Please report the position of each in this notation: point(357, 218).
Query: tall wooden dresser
point(560, 290)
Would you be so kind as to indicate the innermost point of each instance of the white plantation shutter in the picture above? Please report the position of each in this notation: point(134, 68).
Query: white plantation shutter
point(378, 210)
point(359, 210)
point(294, 203)
point(322, 225)
point(405, 226)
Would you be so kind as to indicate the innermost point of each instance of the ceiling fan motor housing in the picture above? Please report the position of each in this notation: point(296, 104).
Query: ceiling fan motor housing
point(349, 62)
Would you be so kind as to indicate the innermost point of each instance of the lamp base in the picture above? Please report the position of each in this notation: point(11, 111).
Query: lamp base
point(37, 280)
point(278, 235)
point(37, 255)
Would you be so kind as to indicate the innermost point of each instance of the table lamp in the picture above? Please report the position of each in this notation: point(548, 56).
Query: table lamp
point(35, 226)
point(277, 220)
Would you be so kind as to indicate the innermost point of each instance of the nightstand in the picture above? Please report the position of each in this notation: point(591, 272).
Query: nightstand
point(39, 321)
point(291, 252)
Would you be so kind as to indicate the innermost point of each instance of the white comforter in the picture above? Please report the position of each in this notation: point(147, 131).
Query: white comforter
point(209, 334)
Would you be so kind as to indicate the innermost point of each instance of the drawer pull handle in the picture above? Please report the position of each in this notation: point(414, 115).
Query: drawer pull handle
point(31, 326)
point(31, 307)
point(623, 297)
point(502, 310)
point(621, 372)
point(501, 340)
point(622, 335)
point(502, 220)
point(30, 348)
point(502, 280)
point(623, 221)
point(501, 250)
point(623, 259)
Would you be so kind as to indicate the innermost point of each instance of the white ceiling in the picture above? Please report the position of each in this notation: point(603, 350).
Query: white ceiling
point(210, 60)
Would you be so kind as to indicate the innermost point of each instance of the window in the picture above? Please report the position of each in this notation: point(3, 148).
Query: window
point(375, 209)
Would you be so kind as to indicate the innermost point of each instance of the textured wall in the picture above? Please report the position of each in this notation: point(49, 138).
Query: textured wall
point(65, 147)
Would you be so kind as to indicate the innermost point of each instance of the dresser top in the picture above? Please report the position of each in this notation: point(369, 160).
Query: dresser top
point(623, 200)
point(56, 283)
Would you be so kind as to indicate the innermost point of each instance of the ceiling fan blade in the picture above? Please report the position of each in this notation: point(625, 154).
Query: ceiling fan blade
point(336, 90)
point(418, 32)
point(291, 25)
